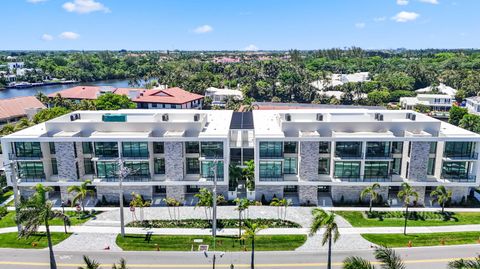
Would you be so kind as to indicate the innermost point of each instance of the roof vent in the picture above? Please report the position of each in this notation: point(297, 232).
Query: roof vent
point(196, 117)
point(165, 117)
point(413, 117)
point(319, 117)
point(408, 115)
point(288, 117)
point(74, 117)
point(378, 116)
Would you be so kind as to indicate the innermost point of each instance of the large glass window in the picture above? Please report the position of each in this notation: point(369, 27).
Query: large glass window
point(271, 150)
point(248, 154)
point(397, 166)
point(106, 149)
point(207, 169)
point(212, 149)
point(158, 147)
point(192, 147)
point(107, 170)
point(348, 149)
point(88, 166)
point(159, 166)
point(28, 149)
point(455, 170)
point(270, 170)
point(87, 147)
point(324, 166)
point(193, 166)
point(51, 145)
point(376, 170)
point(135, 149)
point(397, 147)
point(433, 147)
point(31, 170)
point(54, 167)
point(431, 166)
point(458, 149)
point(290, 166)
point(324, 147)
point(138, 169)
point(290, 147)
point(347, 170)
point(236, 156)
point(378, 149)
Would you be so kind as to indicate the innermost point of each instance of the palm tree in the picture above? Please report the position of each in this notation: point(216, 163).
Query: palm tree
point(242, 205)
point(322, 219)
point(172, 202)
point(371, 193)
point(249, 175)
point(386, 256)
point(138, 201)
point(465, 264)
point(276, 203)
point(121, 265)
point(407, 194)
point(251, 231)
point(36, 211)
point(89, 263)
point(81, 191)
point(441, 196)
point(285, 203)
point(234, 174)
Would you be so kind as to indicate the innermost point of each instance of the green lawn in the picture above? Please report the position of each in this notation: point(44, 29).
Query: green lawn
point(358, 219)
point(38, 241)
point(424, 239)
point(5, 196)
point(184, 242)
point(9, 220)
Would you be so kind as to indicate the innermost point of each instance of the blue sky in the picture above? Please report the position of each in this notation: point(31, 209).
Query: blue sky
point(238, 24)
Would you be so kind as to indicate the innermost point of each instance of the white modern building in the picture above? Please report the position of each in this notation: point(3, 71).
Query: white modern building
point(473, 105)
point(219, 96)
point(436, 102)
point(441, 88)
point(305, 155)
point(340, 79)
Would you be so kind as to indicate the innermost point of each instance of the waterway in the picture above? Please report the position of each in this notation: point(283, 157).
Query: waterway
point(10, 93)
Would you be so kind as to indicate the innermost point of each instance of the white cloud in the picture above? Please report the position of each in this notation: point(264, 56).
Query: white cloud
point(433, 2)
point(251, 47)
point(36, 1)
point(69, 35)
point(360, 25)
point(402, 2)
point(203, 29)
point(47, 37)
point(405, 16)
point(379, 19)
point(84, 6)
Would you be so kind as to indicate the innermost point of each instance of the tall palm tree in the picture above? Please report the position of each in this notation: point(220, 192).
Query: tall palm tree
point(242, 205)
point(371, 193)
point(323, 219)
point(251, 231)
point(89, 263)
point(386, 256)
point(121, 265)
point(81, 192)
point(36, 211)
point(408, 195)
point(465, 264)
point(441, 196)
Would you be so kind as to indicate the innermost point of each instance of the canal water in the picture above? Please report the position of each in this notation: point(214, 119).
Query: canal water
point(10, 93)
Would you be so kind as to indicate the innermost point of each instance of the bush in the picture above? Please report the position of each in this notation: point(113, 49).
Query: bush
point(205, 224)
point(3, 211)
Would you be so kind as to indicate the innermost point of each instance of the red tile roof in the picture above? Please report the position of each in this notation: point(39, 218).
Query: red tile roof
point(79, 92)
point(167, 96)
point(16, 107)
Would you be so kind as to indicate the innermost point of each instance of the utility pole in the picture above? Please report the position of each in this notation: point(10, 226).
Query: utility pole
point(214, 224)
point(14, 179)
point(122, 173)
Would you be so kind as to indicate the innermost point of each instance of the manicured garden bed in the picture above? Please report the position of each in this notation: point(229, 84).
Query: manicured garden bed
point(5, 196)
point(37, 241)
point(424, 239)
point(204, 224)
point(223, 243)
point(9, 219)
point(396, 218)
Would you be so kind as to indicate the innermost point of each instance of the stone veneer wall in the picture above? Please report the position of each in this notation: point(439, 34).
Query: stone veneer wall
point(81, 165)
point(308, 195)
point(418, 165)
point(352, 193)
point(177, 192)
point(65, 153)
point(269, 191)
point(421, 194)
point(308, 164)
point(221, 190)
point(111, 192)
point(174, 161)
point(458, 193)
point(26, 192)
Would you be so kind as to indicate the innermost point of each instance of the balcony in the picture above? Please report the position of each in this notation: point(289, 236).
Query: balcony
point(25, 157)
point(131, 178)
point(39, 178)
point(459, 178)
point(473, 156)
point(387, 156)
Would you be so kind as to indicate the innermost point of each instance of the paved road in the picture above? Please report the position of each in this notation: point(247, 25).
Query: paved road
point(415, 258)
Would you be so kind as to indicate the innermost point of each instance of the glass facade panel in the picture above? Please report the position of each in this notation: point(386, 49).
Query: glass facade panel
point(271, 150)
point(348, 149)
point(459, 149)
point(455, 170)
point(290, 166)
point(248, 154)
point(207, 169)
point(107, 170)
point(433, 147)
point(396, 166)
point(192, 147)
point(158, 147)
point(235, 156)
point(397, 147)
point(290, 147)
point(31, 170)
point(193, 166)
point(212, 149)
point(324, 147)
point(324, 166)
point(51, 145)
point(376, 170)
point(378, 149)
point(159, 166)
point(54, 167)
point(28, 149)
point(347, 170)
point(431, 167)
point(87, 147)
point(135, 149)
point(106, 149)
point(88, 166)
point(270, 170)
point(138, 169)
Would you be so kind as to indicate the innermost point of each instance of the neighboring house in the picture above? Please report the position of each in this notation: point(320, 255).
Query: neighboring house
point(436, 102)
point(473, 104)
point(442, 89)
point(220, 96)
point(154, 98)
point(15, 65)
point(340, 79)
point(306, 156)
point(13, 109)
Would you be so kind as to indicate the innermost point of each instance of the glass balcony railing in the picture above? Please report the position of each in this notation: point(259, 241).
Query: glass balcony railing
point(461, 156)
point(459, 177)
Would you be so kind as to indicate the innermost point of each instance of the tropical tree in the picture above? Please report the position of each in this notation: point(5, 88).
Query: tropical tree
point(249, 175)
point(172, 202)
point(242, 205)
point(441, 196)
point(81, 192)
point(205, 200)
point(36, 211)
point(138, 201)
point(371, 193)
point(111, 101)
point(387, 257)
point(465, 264)
point(234, 175)
point(408, 195)
point(251, 231)
point(323, 219)
point(121, 265)
point(278, 204)
point(285, 203)
point(89, 263)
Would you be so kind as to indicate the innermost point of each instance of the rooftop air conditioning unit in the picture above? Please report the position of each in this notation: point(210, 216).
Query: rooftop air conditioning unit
point(165, 117)
point(319, 117)
point(380, 117)
point(288, 117)
point(408, 115)
point(196, 117)
point(413, 117)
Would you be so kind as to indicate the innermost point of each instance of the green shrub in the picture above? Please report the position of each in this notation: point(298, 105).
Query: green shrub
point(205, 224)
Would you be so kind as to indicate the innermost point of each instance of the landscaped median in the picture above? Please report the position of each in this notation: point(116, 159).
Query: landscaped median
point(423, 239)
point(76, 218)
point(223, 243)
point(36, 241)
point(205, 224)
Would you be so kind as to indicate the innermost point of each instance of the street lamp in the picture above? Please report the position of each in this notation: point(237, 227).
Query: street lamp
point(63, 212)
point(13, 177)
point(214, 224)
point(123, 172)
